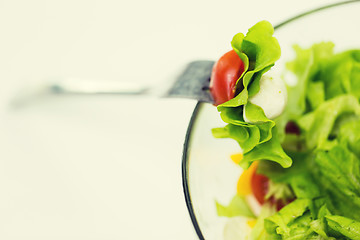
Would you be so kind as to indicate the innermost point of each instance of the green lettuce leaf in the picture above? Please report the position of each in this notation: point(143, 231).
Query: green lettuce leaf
point(297, 221)
point(325, 172)
point(259, 51)
point(280, 222)
point(347, 227)
point(247, 137)
point(279, 191)
point(298, 176)
point(337, 171)
point(319, 124)
point(349, 132)
point(238, 206)
point(259, 232)
point(270, 150)
point(341, 74)
point(319, 225)
point(322, 75)
point(329, 180)
point(305, 66)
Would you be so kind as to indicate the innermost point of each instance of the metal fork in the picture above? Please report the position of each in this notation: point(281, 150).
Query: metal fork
point(193, 83)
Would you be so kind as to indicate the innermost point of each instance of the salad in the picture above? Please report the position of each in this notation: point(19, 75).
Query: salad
point(300, 143)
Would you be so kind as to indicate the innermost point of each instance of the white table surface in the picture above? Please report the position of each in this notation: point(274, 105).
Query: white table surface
point(105, 167)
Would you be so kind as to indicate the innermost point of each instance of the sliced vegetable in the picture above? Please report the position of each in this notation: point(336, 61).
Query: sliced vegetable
point(245, 182)
point(226, 72)
point(260, 187)
point(236, 158)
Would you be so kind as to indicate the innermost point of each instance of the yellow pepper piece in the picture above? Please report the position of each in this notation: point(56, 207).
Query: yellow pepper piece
point(244, 182)
point(251, 223)
point(236, 158)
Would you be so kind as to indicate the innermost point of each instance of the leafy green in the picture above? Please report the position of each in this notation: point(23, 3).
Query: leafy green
point(279, 222)
point(341, 74)
point(349, 132)
point(338, 172)
point(279, 191)
point(320, 167)
point(259, 232)
point(347, 227)
point(319, 123)
point(305, 66)
point(319, 225)
point(326, 162)
point(237, 207)
point(322, 75)
point(270, 150)
point(247, 137)
point(259, 51)
point(297, 176)
point(321, 179)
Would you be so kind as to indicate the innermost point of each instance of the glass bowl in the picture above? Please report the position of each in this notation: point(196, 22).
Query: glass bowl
point(208, 174)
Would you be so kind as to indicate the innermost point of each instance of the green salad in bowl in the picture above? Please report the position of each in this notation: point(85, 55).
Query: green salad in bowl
point(302, 164)
point(298, 128)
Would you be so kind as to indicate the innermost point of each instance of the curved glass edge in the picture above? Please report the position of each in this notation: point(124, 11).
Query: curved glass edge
point(301, 15)
point(185, 172)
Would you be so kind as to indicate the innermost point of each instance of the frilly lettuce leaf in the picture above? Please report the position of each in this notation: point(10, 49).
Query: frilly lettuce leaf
point(238, 206)
point(319, 225)
point(270, 150)
point(309, 91)
point(325, 171)
point(345, 226)
point(297, 220)
point(259, 51)
point(248, 138)
point(298, 176)
point(306, 66)
point(259, 232)
point(349, 132)
point(328, 181)
point(341, 74)
point(280, 222)
point(322, 75)
point(319, 123)
point(337, 171)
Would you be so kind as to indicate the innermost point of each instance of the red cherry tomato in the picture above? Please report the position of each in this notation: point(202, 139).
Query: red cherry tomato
point(225, 73)
point(260, 187)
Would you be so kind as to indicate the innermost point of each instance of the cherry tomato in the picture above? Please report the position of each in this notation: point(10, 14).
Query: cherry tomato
point(225, 73)
point(260, 187)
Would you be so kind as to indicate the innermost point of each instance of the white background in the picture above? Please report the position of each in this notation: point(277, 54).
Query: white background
point(105, 167)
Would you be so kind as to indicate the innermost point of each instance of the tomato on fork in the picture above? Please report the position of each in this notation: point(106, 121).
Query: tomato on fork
point(226, 71)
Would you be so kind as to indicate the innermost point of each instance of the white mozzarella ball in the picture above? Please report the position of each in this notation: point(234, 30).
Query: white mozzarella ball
point(272, 96)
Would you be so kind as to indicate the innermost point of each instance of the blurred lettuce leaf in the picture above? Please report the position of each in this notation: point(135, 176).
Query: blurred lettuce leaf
point(238, 206)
